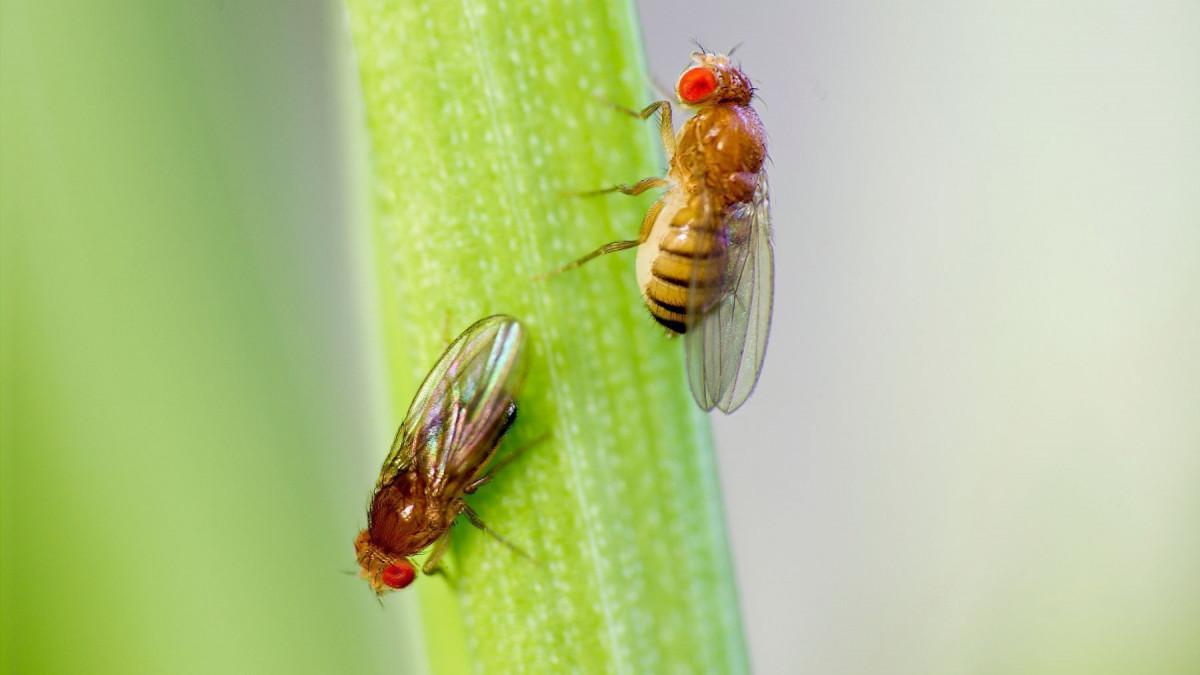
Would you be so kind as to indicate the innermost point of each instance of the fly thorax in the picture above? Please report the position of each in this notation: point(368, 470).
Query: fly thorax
point(404, 519)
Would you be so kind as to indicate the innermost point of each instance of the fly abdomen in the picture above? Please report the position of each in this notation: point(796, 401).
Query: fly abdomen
point(691, 259)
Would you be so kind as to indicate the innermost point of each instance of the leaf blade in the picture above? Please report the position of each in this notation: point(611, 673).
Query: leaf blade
point(481, 116)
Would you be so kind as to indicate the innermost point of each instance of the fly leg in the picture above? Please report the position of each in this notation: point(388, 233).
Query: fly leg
point(665, 127)
point(435, 556)
point(474, 518)
point(667, 130)
point(647, 226)
point(636, 189)
point(447, 338)
point(501, 463)
point(607, 248)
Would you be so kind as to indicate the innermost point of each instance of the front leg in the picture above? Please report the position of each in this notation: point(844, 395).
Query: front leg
point(665, 127)
point(435, 556)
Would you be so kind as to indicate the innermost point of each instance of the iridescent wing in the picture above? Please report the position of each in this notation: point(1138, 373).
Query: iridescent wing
point(463, 407)
point(726, 341)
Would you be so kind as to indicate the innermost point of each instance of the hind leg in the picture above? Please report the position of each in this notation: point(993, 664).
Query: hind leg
point(647, 226)
point(500, 464)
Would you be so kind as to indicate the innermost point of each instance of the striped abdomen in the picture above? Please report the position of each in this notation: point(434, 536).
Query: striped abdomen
point(693, 249)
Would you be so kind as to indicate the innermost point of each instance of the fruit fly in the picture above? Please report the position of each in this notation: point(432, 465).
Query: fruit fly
point(454, 425)
point(704, 261)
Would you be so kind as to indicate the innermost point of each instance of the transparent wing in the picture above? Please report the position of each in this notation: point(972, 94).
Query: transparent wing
point(727, 340)
point(463, 405)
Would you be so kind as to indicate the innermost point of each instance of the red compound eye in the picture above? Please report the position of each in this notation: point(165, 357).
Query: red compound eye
point(399, 575)
point(697, 84)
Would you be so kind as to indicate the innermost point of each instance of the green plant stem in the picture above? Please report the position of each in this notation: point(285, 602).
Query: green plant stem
point(481, 116)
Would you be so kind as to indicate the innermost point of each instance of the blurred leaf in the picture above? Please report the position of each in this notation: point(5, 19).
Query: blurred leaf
point(183, 399)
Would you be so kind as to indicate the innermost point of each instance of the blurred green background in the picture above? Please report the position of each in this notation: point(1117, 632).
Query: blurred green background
point(188, 379)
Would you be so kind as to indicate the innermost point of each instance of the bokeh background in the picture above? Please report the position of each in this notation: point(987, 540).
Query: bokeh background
point(975, 447)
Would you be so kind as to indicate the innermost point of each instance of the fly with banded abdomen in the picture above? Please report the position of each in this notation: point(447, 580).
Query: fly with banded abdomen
point(704, 261)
